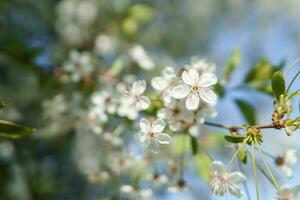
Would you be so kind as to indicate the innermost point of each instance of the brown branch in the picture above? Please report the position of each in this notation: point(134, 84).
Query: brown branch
point(235, 128)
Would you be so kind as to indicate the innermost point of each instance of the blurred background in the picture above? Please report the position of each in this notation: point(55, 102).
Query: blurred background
point(36, 39)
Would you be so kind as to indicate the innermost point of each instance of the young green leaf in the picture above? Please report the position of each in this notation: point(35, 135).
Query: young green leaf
point(242, 155)
point(194, 145)
point(247, 110)
point(233, 62)
point(278, 85)
point(14, 131)
point(234, 139)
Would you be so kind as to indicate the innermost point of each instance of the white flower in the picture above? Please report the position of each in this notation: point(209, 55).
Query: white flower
point(136, 193)
point(151, 135)
point(288, 193)
point(136, 96)
point(106, 100)
point(140, 56)
point(196, 87)
point(104, 45)
point(201, 65)
point(80, 65)
point(223, 182)
point(286, 161)
point(176, 115)
point(164, 83)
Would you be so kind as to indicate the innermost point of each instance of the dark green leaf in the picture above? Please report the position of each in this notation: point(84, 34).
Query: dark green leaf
point(2, 103)
point(242, 155)
point(247, 110)
point(233, 62)
point(219, 89)
point(278, 84)
point(194, 145)
point(12, 130)
point(234, 139)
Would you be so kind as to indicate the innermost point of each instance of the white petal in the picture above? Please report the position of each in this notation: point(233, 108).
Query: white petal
point(138, 87)
point(142, 137)
point(236, 177)
point(158, 125)
point(145, 125)
point(163, 138)
point(291, 157)
point(187, 78)
point(191, 77)
point(159, 83)
point(143, 103)
point(180, 91)
point(287, 171)
point(217, 167)
point(234, 190)
point(208, 96)
point(207, 80)
point(192, 101)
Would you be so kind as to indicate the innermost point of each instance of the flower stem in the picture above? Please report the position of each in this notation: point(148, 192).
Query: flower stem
point(244, 183)
point(234, 156)
point(254, 172)
point(268, 168)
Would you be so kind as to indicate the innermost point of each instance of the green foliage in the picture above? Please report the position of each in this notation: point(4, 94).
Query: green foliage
point(219, 89)
point(260, 75)
point(234, 61)
point(194, 145)
point(2, 103)
point(141, 12)
point(278, 85)
point(14, 131)
point(234, 139)
point(247, 110)
point(203, 164)
point(242, 155)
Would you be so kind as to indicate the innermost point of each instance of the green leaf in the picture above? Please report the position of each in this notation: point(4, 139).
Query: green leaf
point(234, 139)
point(2, 103)
point(219, 89)
point(260, 75)
point(233, 62)
point(247, 110)
point(14, 131)
point(242, 155)
point(141, 12)
point(203, 164)
point(278, 84)
point(194, 145)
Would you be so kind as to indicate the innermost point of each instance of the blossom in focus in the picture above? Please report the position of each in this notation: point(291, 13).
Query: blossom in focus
point(286, 161)
point(195, 87)
point(288, 193)
point(151, 136)
point(223, 182)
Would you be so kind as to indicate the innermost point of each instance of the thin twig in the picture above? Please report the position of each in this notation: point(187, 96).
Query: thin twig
point(231, 127)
